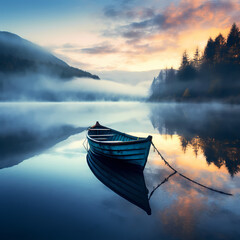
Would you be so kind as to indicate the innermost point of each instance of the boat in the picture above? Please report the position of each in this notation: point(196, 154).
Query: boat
point(115, 145)
point(124, 179)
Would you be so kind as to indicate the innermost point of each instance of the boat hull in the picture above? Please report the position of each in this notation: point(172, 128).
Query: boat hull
point(133, 153)
point(118, 146)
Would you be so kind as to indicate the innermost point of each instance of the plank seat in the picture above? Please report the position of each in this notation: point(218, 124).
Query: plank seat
point(99, 129)
point(101, 138)
point(103, 135)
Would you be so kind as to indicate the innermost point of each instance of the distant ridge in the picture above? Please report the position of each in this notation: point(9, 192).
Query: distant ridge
point(18, 55)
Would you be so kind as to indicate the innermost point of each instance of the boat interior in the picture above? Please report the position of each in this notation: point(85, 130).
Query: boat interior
point(109, 135)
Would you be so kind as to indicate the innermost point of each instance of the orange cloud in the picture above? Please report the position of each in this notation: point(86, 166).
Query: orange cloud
point(183, 215)
point(154, 38)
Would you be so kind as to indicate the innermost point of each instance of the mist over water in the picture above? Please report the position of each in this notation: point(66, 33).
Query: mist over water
point(45, 180)
point(108, 88)
point(36, 87)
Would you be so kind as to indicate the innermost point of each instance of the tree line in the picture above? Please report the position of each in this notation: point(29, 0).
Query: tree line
point(213, 74)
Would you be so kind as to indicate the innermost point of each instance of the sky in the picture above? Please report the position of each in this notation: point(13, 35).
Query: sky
point(122, 35)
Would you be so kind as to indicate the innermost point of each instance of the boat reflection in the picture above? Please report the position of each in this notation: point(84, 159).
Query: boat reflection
point(127, 181)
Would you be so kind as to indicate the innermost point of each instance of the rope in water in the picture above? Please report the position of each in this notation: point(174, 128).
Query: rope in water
point(165, 180)
point(180, 174)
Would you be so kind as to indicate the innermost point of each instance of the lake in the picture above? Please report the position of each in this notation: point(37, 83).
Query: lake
point(48, 190)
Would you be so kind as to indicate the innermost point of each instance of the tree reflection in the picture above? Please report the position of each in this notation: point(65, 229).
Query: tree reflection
point(211, 128)
point(22, 144)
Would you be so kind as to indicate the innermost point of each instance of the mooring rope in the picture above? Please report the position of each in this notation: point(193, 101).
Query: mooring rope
point(180, 174)
point(165, 180)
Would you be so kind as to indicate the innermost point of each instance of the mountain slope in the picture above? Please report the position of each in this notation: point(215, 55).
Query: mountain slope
point(18, 55)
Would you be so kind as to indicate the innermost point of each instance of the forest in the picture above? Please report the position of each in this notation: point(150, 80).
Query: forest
point(213, 74)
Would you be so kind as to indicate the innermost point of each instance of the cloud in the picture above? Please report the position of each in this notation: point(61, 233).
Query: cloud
point(143, 35)
point(100, 49)
point(132, 34)
point(176, 18)
point(128, 13)
point(68, 45)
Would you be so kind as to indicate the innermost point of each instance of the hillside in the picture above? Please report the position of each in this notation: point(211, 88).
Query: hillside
point(18, 55)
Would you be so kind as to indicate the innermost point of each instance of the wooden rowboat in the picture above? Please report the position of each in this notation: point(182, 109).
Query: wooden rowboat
point(112, 144)
point(124, 179)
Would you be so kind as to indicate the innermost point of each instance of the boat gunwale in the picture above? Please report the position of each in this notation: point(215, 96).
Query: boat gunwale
point(141, 140)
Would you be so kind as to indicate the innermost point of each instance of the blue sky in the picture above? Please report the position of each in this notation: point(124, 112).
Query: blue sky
point(131, 35)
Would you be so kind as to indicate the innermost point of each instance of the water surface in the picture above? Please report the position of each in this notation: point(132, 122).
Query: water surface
point(49, 192)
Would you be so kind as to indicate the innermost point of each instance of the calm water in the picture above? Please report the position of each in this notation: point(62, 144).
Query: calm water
point(48, 191)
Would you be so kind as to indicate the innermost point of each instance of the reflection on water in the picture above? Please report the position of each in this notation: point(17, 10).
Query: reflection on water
point(25, 132)
point(212, 129)
point(54, 195)
point(125, 180)
point(28, 129)
point(25, 143)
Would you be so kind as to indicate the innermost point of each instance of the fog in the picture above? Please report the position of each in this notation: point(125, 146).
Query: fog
point(30, 73)
point(61, 175)
point(28, 129)
point(127, 77)
point(107, 88)
point(208, 128)
point(196, 119)
point(39, 87)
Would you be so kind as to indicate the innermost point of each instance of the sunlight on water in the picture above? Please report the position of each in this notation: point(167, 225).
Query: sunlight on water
point(45, 179)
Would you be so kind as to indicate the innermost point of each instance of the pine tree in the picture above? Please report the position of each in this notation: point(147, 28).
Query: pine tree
point(170, 75)
point(233, 36)
point(186, 71)
point(185, 60)
point(233, 44)
point(209, 51)
point(219, 48)
point(161, 76)
point(196, 59)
